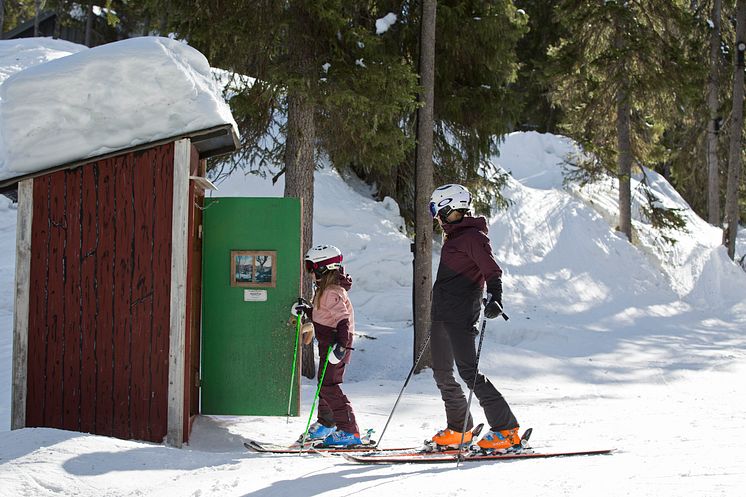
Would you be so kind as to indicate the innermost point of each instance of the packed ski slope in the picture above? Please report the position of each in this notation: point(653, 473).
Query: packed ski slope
point(609, 345)
point(638, 347)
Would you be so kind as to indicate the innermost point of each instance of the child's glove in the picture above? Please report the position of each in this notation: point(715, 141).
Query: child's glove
point(301, 306)
point(338, 353)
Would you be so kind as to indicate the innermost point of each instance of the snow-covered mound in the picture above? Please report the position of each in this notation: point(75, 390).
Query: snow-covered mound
point(108, 98)
point(686, 259)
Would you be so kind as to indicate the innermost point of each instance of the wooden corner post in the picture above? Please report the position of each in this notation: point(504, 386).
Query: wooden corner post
point(179, 258)
point(20, 316)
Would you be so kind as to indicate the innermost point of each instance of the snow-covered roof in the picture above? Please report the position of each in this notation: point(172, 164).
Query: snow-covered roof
point(17, 55)
point(105, 99)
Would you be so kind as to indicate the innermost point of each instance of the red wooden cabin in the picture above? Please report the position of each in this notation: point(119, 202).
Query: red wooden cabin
point(106, 332)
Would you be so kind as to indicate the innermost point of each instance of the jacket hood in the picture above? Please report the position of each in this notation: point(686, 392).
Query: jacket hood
point(345, 281)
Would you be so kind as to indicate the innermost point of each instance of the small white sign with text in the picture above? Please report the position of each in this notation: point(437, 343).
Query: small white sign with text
point(255, 295)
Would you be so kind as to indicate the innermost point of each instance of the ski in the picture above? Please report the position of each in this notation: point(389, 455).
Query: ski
point(370, 448)
point(270, 448)
point(433, 458)
point(432, 450)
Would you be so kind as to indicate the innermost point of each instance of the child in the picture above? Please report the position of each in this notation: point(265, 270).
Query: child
point(334, 322)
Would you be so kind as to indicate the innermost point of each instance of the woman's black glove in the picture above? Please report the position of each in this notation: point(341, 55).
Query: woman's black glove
point(493, 308)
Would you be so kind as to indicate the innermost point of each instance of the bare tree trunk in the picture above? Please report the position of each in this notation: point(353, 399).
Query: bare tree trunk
point(163, 20)
point(37, 11)
point(624, 145)
point(299, 169)
point(624, 164)
point(2, 18)
point(423, 241)
point(713, 125)
point(58, 20)
point(736, 134)
point(299, 148)
point(89, 24)
point(146, 24)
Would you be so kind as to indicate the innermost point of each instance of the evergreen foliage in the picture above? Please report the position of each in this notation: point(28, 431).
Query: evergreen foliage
point(685, 136)
point(476, 65)
point(645, 45)
point(359, 88)
point(501, 65)
point(532, 87)
point(17, 12)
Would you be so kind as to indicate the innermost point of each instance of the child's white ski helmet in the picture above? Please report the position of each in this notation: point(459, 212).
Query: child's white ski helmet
point(451, 198)
point(322, 258)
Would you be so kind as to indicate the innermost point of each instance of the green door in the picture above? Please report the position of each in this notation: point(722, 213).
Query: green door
point(251, 276)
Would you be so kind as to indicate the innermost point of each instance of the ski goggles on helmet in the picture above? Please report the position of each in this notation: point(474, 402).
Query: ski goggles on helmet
point(435, 211)
point(323, 266)
point(443, 212)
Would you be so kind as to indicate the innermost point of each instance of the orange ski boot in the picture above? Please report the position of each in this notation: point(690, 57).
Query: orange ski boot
point(500, 440)
point(450, 438)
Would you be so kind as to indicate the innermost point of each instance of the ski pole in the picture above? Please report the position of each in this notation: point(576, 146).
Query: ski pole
point(295, 359)
point(411, 371)
point(474, 383)
point(315, 398)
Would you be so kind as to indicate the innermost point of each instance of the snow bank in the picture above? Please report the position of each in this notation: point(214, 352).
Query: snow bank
point(536, 162)
point(105, 99)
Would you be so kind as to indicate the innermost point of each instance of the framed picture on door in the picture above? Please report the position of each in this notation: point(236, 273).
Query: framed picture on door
point(254, 268)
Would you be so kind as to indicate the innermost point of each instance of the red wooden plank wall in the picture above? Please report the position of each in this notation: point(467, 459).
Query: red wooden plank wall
point(100, 297)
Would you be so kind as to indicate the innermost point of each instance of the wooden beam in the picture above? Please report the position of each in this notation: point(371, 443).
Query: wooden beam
point(179, 252)
point(20, 316)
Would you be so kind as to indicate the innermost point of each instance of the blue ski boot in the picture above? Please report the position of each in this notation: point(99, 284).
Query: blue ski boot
point(317, 432)
point(341, 438)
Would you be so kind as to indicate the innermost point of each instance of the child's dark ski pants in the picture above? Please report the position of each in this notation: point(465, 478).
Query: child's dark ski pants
point(334, 406)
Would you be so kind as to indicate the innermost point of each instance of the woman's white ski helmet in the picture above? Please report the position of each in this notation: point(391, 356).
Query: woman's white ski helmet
point(449, 197)
point(323, 258)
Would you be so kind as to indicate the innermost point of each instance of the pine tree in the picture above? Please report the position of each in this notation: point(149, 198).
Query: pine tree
point(323, 84)
point(476, 66)
point(475, 103)
point(713, 123)
point(735, 156)
point(532, 87)
point(621, 74)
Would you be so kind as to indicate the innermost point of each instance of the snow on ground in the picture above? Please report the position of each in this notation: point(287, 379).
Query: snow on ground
point(601, 351)
point(610, 345)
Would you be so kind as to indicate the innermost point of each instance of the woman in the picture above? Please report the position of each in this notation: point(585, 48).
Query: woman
point(466, 264)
